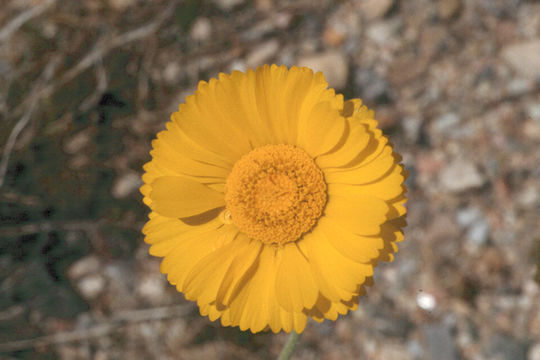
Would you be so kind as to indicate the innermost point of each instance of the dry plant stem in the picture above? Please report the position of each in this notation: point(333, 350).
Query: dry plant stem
point(99, 52)
point(45, 76)
point(23, 121)
point(288, 349)
point(104, 329)
point(23, 17)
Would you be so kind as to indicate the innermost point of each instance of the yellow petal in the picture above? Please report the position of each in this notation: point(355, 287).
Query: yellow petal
point(367, 173)
point(209, 310)
point(238, 273)
point(160, 228)
point(250, 309)
point(322, 131)
point(188, 252)
point(166, 156)
point(355, 110)
point(299, 322)
point(255, 307)
point(242, 112)
point(336, 276)
point(359, 248)
point(176, 138)
point(246, 85)
point(269, 80)
point(325, 309)
point(355, 142)
point(359, 213)
point(386, 188)
point(180, 197)
point(201, 128)
point(295, 287)
point(397, 207)
point(169, 236)
point(216, 271)
point(217, 108)
point(391, 233)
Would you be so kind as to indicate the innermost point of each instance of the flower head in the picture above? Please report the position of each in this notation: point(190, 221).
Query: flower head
point(272, 199)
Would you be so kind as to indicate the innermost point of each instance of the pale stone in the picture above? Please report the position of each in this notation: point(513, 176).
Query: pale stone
point(126, 185)
point(448, 8)
point(461, 175)
point(262, 53)
point(201, 29)
point(333, 65)
point(373, 9)
point(91, 286)
point(524, 58)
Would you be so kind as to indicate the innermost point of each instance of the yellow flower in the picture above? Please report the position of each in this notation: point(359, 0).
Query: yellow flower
point(272, 199)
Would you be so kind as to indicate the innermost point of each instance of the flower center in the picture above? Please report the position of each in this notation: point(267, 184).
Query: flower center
point(275, 193)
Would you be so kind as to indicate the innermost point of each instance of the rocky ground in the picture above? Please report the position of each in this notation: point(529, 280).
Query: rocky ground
point(86, 84)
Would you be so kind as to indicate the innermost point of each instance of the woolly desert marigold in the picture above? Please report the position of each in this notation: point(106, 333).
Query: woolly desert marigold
point(272, 199)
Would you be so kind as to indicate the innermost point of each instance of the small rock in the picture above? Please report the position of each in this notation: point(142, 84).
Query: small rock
point(121, 4)
point(461, 175)
point(506, 348)
point(373, 9)
point(529, 196)
point(333, 64)
point(466, 217)
point(439, 342)
point(447, 9)
point(228, 5)
point(383, 32)
point(264, 5)
point(519, 86)
point(392, 352)
point(478, 233)
point(262, 53)
point(444, 124)
point(426, 301)
point(534, 352)
point(533, 111)
point(201, 30)
point(238, 64)
point(85, 275)
point(334, 36)
point(411, 127)
point(84, 266)
point(152, 288)
point(171, 73)
point(77, 143)
point(387, 116)
point(531, 129)
point(121, 281)
point(371, 86)
point(91, 286)
point(282, 20)
point(524, 58)
point(126, 184)
point(415, 349)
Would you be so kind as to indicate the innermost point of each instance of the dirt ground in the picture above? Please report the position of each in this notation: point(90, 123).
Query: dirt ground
point(86, 85)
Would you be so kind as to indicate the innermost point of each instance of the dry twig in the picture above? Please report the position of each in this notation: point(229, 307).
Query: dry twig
point(122, 319)
point(83, 225)
point(102, 48)
point(46, 75)
point(15, 24)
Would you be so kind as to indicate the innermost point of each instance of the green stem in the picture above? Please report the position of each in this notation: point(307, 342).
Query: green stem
point(288, 349)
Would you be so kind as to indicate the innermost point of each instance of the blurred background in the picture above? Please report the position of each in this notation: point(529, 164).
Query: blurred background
point(86, 85)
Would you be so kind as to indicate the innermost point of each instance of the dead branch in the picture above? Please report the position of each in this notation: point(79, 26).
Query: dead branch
point(120, 320)
point(45, 76)
point(83, 225)
point(100, 50)
point(15, 24)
